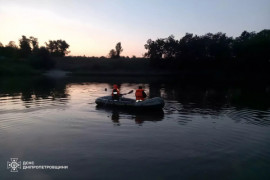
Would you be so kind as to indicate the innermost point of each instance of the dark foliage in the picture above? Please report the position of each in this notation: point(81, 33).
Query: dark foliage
point(34, 43)
point(58, 48)
point(211, 46)
point(41, 59)
point(116, 53)
point(112, 54)
point(118, 49)
point(210, 54)
point(10, 50)
point(248, 52)
point(25, 48)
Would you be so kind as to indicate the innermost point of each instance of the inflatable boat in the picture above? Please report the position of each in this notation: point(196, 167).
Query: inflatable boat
point(153, 103)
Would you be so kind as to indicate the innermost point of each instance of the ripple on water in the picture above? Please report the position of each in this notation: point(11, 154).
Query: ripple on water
point(249, 116)
point(15, 121)
point(204, 130)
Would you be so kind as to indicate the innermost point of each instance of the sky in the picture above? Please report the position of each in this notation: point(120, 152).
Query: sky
point(94, 27)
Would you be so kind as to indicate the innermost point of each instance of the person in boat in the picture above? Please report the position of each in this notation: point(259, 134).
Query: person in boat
point(140, 94)
point(115, 92)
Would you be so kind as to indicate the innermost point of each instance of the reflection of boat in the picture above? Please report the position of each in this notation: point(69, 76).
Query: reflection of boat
point(139, 116)
point(153, 103)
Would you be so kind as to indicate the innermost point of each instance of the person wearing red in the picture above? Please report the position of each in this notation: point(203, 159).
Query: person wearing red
point(115, 92)
point(140, 94)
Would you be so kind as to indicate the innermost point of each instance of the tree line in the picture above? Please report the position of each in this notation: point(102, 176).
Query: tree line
point(39, 57)
point(30, 46)
point(247, 52)
point(249, 48)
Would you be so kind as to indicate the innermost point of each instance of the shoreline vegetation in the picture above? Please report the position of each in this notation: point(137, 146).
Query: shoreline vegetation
point(206, 57)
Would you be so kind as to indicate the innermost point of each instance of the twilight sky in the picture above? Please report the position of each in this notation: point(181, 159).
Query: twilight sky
point(93, 27)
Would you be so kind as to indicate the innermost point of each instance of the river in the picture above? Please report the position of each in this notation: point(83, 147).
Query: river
point(205, 131)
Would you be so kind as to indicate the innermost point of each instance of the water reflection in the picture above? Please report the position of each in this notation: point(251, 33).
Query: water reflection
point(241, 103)
point(34, 93)
point(115, 118)
point(248, 104)
point(139, 117)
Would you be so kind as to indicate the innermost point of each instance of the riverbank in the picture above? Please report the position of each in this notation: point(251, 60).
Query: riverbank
point(100, 68)
point(103, 68)
point(84, 65)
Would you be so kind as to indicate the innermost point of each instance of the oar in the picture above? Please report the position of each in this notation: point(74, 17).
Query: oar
point(127, 93)
point(131, 91)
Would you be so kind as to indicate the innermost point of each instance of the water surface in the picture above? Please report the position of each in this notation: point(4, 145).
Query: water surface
point(203, 132)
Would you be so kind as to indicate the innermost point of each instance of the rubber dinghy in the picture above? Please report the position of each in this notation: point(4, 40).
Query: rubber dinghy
point(153, 103)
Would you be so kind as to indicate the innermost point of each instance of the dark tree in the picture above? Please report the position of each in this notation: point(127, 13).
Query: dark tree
point(248, 54)
point(10, 50)
point(170, 48)
point(185, 47)
point(63, 46)
point(25, 48)
point(57, 48)
point(118, 49)
point(116, 53)
point(155, 49)
point(190, 47)
point(112, 54)
point(219, 46)
point(12, 44)
point(34, 43)
point(252, 50)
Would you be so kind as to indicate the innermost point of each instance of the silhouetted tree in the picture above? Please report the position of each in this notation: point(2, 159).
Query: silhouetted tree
point(118, 49)
point(34, 43)
point(217, 46)
point(252, 46)
point(12, 44)
point(170, 48)
point(57, 48)
point(189, 47)
point(116, 53)
point(10, 50)
point(63, 46)
point(250, 52)
point(155, 49)
point(112, 54)
point(25, 49)
point(262, 45)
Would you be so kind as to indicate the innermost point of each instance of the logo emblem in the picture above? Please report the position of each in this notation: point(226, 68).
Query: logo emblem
point(14, 165)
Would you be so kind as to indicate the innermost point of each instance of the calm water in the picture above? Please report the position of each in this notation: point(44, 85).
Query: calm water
point(204, 132)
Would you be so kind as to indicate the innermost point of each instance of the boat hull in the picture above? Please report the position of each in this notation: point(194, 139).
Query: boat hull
point(153, 103)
